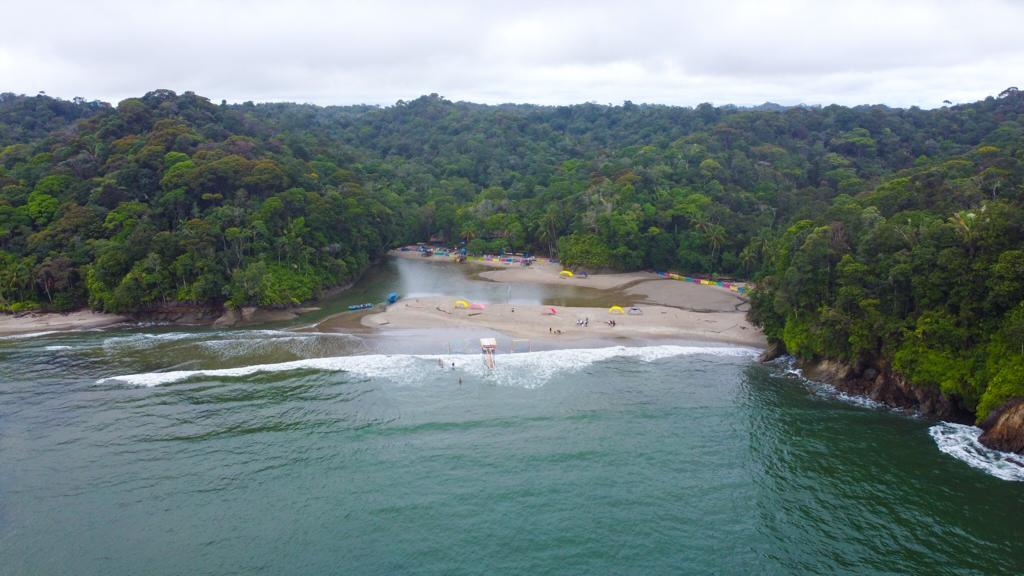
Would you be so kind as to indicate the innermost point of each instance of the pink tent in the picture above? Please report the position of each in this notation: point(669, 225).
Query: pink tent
point(476, 306)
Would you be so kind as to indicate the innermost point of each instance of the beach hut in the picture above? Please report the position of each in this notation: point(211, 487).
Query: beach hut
point(616, 310)
point(565, 274)
point(461, 304)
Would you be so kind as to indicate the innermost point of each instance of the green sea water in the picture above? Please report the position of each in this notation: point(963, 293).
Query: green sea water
point(160, 450)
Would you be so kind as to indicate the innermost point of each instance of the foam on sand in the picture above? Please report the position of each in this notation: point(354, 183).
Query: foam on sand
point(526, 369)
point(961, 442)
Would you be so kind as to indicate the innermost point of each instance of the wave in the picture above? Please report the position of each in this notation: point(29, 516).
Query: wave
point(787, 365)
point(146, 339)
point(524, 369)
point(32, 334)
point(961, 442)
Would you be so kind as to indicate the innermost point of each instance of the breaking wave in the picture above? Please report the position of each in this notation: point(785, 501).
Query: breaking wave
point(525, 369)
point(787, 366)
point(961, 442)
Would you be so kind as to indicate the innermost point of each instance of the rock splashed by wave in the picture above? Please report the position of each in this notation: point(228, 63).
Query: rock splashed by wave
point(961, 442)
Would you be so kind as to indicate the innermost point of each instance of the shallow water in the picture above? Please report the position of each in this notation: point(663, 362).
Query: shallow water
point(170, 451)
point(422, 278)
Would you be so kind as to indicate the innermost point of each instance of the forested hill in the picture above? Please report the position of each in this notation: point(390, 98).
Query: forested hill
point(875, 234)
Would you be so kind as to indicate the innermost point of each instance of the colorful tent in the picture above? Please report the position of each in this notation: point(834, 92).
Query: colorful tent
point(551, 311)
point(476, 306)
point(635, 311)
point(616, 310)
point(565, 274)
point(461, 304)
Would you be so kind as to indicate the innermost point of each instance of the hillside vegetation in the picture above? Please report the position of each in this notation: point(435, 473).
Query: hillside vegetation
point(876, 236)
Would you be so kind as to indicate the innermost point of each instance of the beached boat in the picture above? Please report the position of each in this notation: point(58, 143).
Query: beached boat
point(365, 306)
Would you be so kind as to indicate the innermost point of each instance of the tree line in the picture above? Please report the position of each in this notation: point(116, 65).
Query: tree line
point(875, 235)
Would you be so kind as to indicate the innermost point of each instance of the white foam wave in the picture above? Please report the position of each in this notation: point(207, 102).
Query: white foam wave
point(31, 335)
point(145, 339)
point(961, 442)
point(54, 348)
point(526, 369)
point(787, 365)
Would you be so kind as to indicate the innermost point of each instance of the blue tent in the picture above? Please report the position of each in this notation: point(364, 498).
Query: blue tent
point(392, 297)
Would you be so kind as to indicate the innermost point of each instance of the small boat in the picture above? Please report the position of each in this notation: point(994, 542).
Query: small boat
point(365, 306)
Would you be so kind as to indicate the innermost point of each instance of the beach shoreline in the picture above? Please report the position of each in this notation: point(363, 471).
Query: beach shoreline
point(24, 324)
point(551, 324)
point(666, 308)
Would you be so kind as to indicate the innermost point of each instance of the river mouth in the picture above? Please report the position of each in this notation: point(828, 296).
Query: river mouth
point(297, 450)
point(412, 279)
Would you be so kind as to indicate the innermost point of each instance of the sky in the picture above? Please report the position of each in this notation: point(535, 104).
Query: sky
point(899, 53)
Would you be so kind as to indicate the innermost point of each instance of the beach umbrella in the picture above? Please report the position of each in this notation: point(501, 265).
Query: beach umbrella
point(461, 304)
point(565, 274)
point(616, 310)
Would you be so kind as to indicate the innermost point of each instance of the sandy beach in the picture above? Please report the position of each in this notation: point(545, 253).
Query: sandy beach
point(635, 287)
point(11, 325)
point(668, 309)
point(537, 321)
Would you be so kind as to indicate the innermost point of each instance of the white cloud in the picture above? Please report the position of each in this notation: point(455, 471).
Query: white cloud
point(900, 53)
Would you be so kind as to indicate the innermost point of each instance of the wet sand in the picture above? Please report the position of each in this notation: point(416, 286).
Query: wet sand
point(634, 287)
point(11, 325)
point(671, 309)
point(538, 323)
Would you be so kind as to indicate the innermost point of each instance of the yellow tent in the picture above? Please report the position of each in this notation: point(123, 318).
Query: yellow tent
point(616, 310)
point(565, 274)
point(461, 304)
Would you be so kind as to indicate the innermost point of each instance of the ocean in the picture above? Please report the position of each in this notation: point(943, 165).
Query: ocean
point(164, 450)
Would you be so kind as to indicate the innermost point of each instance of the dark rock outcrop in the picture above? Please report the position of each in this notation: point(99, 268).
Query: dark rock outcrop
point(773, 351)
point(1004, 427)
point(880, 384)
point(251, 315)
point(180, 313)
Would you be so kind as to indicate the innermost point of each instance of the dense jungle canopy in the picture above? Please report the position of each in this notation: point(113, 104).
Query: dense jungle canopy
point(874, 234)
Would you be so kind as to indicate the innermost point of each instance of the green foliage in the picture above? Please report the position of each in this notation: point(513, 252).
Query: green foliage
point(585, 250)
point(42, 207)
point(873, 234)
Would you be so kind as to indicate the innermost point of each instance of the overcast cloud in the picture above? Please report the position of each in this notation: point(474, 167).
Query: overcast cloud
point(742, 52)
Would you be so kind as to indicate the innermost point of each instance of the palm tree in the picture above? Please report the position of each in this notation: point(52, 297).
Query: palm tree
point(716, 237)
point(748, 256)
point(964, 222)
point(547, 229)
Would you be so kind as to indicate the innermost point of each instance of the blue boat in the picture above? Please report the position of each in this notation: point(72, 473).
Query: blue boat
point(366, 306)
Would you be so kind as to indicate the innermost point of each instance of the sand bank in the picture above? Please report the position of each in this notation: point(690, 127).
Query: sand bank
point(671, 308)
point(82, 320)
point(637, 287)
point(536, 321)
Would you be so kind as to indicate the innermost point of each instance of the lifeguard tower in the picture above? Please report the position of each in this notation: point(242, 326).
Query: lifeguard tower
point(488, 346)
